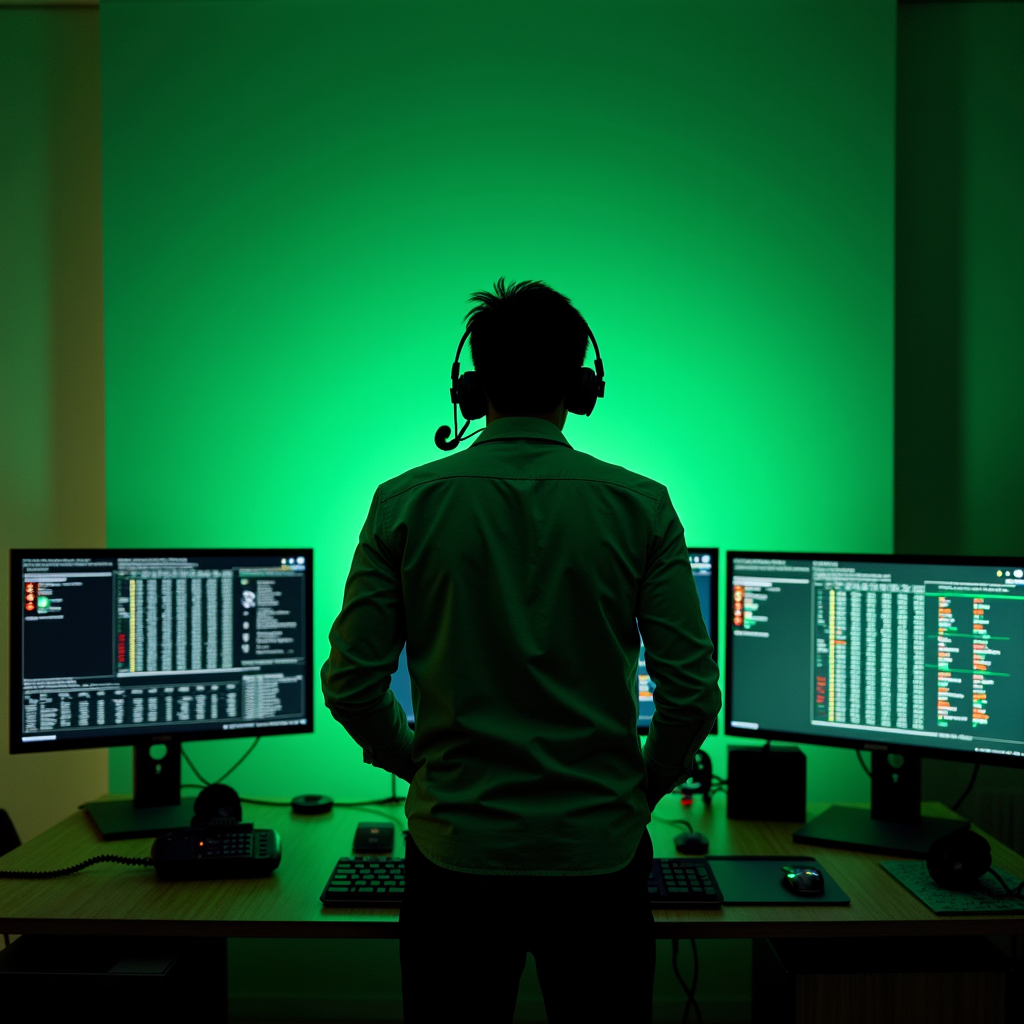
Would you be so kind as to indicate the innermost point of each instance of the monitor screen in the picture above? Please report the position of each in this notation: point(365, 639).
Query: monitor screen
point(703, 562)
point(878, 651)
point(109, 647)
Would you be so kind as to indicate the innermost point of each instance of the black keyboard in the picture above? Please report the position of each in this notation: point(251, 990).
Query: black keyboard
point(380, 882)
point(365, 881)
point(683, 882)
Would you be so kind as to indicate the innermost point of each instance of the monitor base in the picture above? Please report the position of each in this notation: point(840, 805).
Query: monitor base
point(121, 819)
point(853, 828)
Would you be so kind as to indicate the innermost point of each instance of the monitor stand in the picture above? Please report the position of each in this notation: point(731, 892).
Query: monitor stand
point(157, 804)
point(893, 825)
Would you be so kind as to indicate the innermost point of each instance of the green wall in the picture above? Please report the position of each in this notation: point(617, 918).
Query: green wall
point(960, 279)
point(959, 437)
point(299, 200)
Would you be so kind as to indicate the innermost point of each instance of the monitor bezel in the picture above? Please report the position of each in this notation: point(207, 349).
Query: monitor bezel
point(904, 749)
point(18, 746)
point(716, 596)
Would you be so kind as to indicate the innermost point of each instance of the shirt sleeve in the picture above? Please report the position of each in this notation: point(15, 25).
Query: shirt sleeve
point(680, 657)
point(366, 642)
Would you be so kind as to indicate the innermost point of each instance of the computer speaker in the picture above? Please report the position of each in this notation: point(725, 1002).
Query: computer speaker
point(767, 783)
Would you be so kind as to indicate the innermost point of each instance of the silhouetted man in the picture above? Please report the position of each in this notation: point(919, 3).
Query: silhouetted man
point(517, 572)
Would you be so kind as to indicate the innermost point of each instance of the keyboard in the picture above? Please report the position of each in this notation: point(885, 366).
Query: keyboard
point(675, 882)
point(365, 881)
point(683, 882)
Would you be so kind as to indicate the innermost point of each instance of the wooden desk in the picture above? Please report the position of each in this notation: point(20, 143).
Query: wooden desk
point(879, 905)
point(111, 899)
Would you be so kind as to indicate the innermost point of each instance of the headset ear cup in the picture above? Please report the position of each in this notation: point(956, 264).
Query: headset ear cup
point(472, 400)
point(582, 397)
point(958, 860)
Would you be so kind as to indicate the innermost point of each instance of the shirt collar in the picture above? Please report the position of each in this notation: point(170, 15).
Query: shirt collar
point(522, 428)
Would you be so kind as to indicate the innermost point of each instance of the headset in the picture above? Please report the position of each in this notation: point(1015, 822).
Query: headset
point(960, 859)
point(468, 397)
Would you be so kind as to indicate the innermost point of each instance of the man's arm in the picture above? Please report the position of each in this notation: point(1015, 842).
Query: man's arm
point(366, 641)
point(680, 657)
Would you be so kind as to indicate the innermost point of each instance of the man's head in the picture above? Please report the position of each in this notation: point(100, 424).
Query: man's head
point(528, 344)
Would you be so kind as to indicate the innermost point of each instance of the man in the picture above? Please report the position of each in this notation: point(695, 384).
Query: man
point(517, 573)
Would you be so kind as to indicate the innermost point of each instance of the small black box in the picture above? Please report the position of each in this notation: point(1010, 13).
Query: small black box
point(767, 783)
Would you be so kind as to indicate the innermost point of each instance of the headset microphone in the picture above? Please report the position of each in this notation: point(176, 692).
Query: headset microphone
point(468, 397)
point(441, 439)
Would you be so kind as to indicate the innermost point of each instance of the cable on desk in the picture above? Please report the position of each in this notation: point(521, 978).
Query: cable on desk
point(1009, 893)
point(335, 803)
point(205, 781)
point(863, 765)
point(142, 862)
point(287, 803)
point(691, 989)
point(672, 821)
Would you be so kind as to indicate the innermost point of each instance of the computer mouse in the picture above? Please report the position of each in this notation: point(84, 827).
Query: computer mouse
point(692, 843)
point(803, 881)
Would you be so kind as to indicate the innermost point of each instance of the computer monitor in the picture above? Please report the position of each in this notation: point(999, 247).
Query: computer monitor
point(703, 563)
point(905, 656)
point(148, 648)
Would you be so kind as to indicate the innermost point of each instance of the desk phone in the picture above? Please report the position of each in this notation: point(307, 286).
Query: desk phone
point(234, 851)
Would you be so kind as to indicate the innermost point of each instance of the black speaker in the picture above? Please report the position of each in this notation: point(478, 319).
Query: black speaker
point(767, 783)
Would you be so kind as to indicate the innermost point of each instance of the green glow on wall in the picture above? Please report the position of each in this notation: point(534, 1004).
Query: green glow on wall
point(298, 199)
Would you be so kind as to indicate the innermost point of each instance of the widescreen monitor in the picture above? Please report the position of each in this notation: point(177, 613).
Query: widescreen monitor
point(704, 565)
point(880, 652)
point(143, 647)
point(904, 656)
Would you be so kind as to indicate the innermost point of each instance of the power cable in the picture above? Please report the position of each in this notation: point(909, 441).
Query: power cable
point(393, 799)
point(691, 989)
point(142, 862)
point(1009, 893)
point(203, 779)
point(970, 785)
point(288, 803)
point(672, 821)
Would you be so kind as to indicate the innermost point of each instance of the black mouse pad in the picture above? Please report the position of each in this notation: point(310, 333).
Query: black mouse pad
point(753, 880)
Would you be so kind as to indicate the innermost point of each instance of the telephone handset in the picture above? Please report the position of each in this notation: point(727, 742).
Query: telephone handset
point(218, 844)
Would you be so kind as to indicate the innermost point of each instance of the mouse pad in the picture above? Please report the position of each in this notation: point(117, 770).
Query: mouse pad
point(753, 880)
point(985, 898)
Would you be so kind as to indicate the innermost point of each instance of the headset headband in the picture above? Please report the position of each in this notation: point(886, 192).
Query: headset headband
point(467, 394)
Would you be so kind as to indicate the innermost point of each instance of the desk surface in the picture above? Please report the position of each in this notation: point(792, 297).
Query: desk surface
point(114, 899)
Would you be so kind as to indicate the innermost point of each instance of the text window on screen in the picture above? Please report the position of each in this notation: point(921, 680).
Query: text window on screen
point(917, 653)
point(128, 645)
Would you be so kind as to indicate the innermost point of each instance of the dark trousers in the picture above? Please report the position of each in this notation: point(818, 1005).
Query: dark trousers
point(464, 939)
